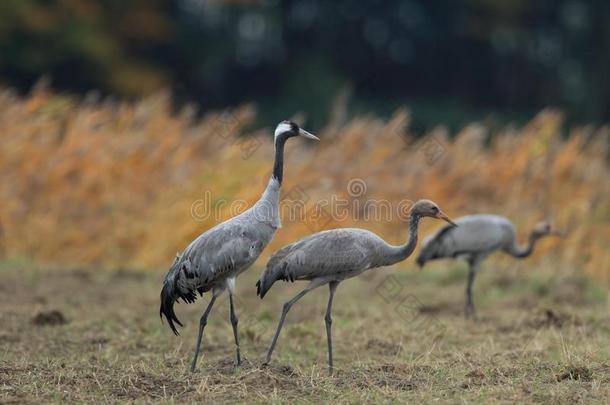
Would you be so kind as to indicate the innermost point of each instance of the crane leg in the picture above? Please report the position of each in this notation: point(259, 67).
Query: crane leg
point(329, 321)
point(472, 270)
point(285, 310)
point(202, 322)
point(234, 322)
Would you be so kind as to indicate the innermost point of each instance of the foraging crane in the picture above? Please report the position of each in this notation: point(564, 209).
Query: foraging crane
point(476, 237)
point(216, 257)
point(332, 256)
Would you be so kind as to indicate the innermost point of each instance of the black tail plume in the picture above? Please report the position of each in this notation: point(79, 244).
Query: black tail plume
point(262, 287)
point(168, 299)
point(258, 289)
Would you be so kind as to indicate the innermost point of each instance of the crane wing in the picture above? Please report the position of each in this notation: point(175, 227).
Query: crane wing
point(221, 252)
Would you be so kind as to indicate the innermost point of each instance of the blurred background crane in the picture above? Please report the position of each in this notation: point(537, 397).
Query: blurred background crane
point(475, 238)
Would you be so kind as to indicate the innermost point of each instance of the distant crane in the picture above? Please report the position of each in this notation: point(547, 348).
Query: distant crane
point(332, 256)
point(476, 237)
point(216, 257)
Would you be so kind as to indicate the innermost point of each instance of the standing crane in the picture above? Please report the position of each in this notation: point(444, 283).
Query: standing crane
point(476, 238)
point(216, 257)
point(332, 256)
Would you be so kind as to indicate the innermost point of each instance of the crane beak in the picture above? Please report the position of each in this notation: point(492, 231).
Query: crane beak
point(559, 234)
point(306, 134)
point(445, 217)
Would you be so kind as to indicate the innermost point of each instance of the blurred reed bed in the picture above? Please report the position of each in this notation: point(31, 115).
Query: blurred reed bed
point(129, 184)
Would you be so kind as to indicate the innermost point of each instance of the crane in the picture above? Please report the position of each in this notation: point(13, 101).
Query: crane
point(215, 258)
point(476, 238)
point(332, 256)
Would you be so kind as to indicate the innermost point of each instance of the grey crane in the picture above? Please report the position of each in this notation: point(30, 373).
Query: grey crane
point(476, 237)
point(332, 256)
point(216, 257)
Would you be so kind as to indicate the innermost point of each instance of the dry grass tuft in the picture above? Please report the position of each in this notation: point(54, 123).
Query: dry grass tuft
point(577, 373)
point(49, 318)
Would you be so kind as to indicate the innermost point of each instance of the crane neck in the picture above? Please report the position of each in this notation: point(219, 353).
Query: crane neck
point(524, 251)
point(267, 208)
point(400, 253)
point(278, 164)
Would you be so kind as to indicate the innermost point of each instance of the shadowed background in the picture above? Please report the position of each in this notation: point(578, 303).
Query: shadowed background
point(451, 61)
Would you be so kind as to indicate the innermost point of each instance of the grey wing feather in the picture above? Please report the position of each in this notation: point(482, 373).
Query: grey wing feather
point(276, 270)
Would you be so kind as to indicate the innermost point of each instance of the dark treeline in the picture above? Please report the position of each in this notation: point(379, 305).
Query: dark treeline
point(450, 60)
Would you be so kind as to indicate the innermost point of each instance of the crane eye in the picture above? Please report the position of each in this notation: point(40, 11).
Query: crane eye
point(435, 210)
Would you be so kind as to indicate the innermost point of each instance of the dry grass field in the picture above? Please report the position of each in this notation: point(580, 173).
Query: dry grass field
point(95, 336)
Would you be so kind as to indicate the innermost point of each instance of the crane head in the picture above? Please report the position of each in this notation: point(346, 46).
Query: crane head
point(428, 208)
point(545, 228)
point(288, 129)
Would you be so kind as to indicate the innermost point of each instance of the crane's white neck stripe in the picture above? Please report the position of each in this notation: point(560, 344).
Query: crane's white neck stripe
point(281, 128)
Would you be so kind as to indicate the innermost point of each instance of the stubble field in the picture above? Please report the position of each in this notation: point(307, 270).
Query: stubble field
point(81, 336)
